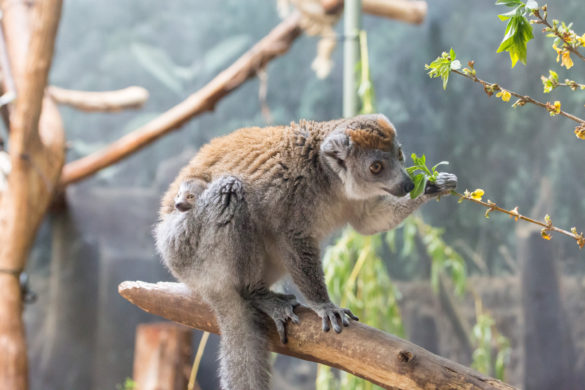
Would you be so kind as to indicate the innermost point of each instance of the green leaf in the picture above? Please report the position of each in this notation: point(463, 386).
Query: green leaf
point(439, 164)
point(419, 185)
point(509, 3)
point(518, 31)
point(441, 66)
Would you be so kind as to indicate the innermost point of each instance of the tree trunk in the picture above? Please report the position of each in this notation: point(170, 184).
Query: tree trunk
point(549, 356)
point(36, 148)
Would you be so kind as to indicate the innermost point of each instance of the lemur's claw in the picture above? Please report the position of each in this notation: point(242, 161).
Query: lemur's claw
point(331, 315)
point(445, 183)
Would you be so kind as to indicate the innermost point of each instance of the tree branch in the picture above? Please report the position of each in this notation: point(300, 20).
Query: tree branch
point(403, 10)
point(276, 43)
point(379, 357)
point(122, 99)
point(493, 87)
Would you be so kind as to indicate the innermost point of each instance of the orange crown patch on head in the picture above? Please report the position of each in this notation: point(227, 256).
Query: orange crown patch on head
point(373, 134)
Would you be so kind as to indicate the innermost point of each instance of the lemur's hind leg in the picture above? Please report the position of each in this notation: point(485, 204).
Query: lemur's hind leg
point(279, 307)
point(228, 241)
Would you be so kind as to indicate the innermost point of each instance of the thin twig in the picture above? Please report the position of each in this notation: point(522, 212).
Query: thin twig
point(569, 46)
point(522, 98)
point(580, 238)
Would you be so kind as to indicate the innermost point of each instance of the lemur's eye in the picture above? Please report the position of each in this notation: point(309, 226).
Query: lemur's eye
point(376, 167)
point(190, 196)
point(400, 155)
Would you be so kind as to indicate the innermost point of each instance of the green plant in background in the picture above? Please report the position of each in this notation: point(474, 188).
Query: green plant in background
point(129, 384)
point(488, 341)
point(357, 277)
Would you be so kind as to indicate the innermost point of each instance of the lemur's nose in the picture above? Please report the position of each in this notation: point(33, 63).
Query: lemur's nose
point(182, 206)
point(408, 186)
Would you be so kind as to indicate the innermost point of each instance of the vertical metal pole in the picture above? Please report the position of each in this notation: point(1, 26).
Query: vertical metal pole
point(351, 28)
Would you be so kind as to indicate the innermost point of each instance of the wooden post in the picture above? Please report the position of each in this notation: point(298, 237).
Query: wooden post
point(351, 27)
point(162, 356)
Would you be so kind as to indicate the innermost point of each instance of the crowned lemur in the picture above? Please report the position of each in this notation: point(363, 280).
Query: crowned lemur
point(255, 204)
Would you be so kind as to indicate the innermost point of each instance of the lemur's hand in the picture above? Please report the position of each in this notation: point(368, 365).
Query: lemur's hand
point(445, 183)
point(330, 313)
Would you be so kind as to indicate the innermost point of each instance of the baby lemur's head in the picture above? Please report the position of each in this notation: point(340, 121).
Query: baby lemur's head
point(189, 191)
point(366, 155)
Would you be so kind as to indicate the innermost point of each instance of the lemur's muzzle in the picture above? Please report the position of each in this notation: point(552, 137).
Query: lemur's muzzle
point(182, 206)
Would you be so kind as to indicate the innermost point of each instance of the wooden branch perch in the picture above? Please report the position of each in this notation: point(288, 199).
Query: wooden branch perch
point(406, 11)
point(107, 101)
point(276, 43)
point(381, 358)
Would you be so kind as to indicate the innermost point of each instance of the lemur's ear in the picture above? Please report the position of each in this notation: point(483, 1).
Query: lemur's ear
point(336, 147)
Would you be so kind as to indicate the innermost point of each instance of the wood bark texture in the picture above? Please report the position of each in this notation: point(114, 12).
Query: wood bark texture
point(381, 358)
point(106, 101)
point(276, 43)
point(406, 11)
point(162, 356)
point(37, 152)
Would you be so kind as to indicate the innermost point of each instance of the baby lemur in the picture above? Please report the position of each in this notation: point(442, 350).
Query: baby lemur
point(254, 205)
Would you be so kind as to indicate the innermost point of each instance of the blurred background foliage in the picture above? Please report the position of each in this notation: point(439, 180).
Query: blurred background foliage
point(174, 48)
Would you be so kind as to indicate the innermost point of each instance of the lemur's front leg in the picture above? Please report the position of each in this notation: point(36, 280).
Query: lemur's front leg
point(304, 265)
point(386, 212)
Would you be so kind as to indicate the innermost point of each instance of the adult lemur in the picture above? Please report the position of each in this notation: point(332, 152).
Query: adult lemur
point(255, 204)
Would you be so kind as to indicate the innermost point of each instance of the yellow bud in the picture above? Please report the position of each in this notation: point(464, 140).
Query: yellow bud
point(515, 213)
point(544, 234)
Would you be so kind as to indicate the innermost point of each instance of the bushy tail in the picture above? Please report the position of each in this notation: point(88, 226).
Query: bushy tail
point(244, 359)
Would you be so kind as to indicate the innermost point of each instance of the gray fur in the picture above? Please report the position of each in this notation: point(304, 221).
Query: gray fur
point(255, 222)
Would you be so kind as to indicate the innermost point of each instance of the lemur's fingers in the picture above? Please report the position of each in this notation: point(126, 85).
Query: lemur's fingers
point(350, 314)
point(291, 314)
point(325, 324)
point(444, 183)
point(333, 318)
point(344, 319)
point(281, 331)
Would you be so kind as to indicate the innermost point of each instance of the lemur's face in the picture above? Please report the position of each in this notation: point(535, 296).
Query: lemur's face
point(188, 193)
point(367, 157)
point(377, 172)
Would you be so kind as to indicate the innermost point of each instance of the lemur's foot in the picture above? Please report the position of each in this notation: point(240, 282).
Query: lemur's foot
point(445, 183)
point(279, 307)
point(330, 313)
